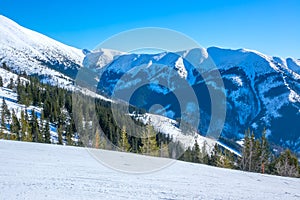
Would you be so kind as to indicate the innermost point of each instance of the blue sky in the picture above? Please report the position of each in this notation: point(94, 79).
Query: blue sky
point(270, 26)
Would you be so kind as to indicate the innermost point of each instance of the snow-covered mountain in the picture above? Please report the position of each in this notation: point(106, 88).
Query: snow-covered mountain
point(261, 91)
point(101, 57)
point(26, 50)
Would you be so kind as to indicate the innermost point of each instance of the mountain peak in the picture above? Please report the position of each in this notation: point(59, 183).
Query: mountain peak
point(27, 50)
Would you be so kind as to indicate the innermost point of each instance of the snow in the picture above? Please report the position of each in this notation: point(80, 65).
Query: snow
point(293, 65)
point(169, 127)
point(237, 80)
point(100, 58)
point(294, 97)
point(40, 171)
point(11, 99)
point(27, 51)
point(229, 149)
point(6, 76)
point(179, 66)
point(24, 39)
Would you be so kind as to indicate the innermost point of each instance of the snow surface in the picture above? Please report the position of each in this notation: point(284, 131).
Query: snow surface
point(100, 58)
point(31, 44)
point(40, 171)
point(169, 127)
point(27, 51)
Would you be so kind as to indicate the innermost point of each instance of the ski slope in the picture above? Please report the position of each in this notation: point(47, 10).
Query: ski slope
point(40, 171)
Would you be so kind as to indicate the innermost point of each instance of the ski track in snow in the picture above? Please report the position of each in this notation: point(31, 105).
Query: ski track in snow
point(40, 171)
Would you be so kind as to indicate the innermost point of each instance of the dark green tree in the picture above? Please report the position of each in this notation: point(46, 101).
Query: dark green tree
point(35, 132)
point(47, 135)
point(287, 164)
point(1, 81)
point(11, 84)
point(149, 144)
point(196, 153)
point(15, 127)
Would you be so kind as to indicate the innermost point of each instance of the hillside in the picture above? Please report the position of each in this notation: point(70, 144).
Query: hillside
point(39, 171)
point(260, 91)
point(28, 51)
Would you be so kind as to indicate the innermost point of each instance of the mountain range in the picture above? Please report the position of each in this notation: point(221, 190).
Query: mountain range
point(261, 92)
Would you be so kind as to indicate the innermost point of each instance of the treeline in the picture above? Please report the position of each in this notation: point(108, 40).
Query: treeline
point(78, 120)
point(218, 156)
point(256, 157)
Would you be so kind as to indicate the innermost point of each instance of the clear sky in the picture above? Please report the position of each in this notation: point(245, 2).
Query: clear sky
point(269, 26)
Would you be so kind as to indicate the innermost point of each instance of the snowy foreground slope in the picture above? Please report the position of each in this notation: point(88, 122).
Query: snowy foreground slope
point(39, 171)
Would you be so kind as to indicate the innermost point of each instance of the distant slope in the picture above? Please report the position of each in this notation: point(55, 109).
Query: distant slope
point(261, 91)
point(34, 53)
point(39, 171)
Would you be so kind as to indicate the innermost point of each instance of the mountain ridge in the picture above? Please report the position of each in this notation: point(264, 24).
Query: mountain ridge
point(261, 91)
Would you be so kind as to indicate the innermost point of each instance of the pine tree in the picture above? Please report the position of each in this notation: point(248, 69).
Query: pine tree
point(287, 164)
point(251, 152)
point(264, 153)
point(15, 127)
point(97, 139)
point(228, 160)
point(187, 156)
point(149, 146)
point(34, 127)
point(256, 166)
point(215, 156)
point(3, 126)
point(69, 133)
point(25, 127)
point(1, 81)
point(164, 150)
point(47, 136)
point(204, 154)
point(123, 142)
point(60, 132)
point(244, 165)
point(5, 117)
point(11, 84)
point(196, 153)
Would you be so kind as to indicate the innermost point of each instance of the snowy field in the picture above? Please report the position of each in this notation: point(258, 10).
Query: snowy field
point(40, 171)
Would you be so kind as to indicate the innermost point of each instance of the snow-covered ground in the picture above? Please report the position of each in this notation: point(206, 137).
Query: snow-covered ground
point(169, 127)
point(40, 171)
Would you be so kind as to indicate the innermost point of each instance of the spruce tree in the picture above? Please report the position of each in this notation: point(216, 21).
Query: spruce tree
point(149, 144)
point(24, 127)
point(3, 127)
point(34, 127)
point(1, 81)
point(5, 117)
point(11, 84)
point(196, 153)
point(244, 164)
point(123, 142)
point(164, 150)
point(204, 154)
point(15, 127)
point(97, 139)
point(47, 136)
point(264, 153)
point(187, 156)
point(287, 164)
point(215, 156)
point(59, 133)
